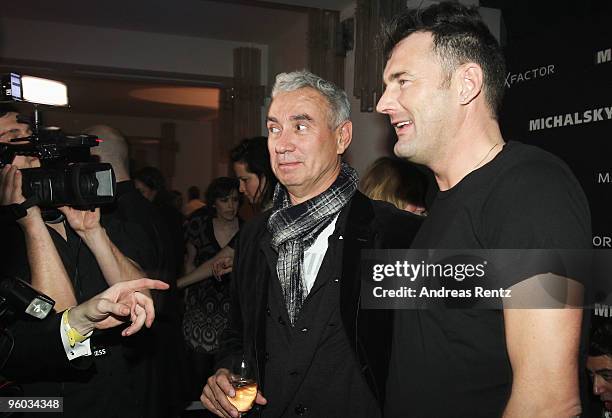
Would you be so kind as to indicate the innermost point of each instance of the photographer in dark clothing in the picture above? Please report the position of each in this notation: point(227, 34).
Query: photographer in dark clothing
point(72, 261)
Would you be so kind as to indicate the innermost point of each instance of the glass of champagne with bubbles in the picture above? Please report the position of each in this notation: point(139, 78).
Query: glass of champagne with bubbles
point(244, 380)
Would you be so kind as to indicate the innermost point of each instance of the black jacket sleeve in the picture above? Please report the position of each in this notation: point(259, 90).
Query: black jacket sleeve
point(38, 353)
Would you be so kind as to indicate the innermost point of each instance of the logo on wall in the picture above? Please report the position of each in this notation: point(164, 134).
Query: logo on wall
point(601, 310)
point(570, 119)
point(602, 241)
point(604, 56)
point(604, 178)
point(540, 72)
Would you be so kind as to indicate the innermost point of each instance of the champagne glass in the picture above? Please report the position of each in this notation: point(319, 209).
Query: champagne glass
point(244, 380)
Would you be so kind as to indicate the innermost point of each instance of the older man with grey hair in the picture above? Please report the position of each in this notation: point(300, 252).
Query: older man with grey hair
point(296, 272)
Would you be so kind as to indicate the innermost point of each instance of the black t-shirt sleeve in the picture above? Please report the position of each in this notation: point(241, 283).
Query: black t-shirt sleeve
point(132, 240)
point(538, 206)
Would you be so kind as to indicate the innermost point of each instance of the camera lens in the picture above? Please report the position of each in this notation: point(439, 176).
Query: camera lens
point(88, 185)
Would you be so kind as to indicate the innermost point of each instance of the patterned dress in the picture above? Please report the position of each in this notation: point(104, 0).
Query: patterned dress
point(207, 303)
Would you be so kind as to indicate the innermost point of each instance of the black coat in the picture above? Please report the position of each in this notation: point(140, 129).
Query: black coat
point(369, 225)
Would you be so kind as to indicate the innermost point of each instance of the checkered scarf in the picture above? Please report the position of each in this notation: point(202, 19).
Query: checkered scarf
point(295, 228)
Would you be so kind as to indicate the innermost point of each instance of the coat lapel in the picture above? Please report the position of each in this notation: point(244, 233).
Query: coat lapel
point(358, 235)
point(369, 331)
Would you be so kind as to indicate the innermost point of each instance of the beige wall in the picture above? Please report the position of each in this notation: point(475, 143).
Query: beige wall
point(290, 51)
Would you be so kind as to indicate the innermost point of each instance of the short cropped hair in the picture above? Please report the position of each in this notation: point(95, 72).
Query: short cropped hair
point(336, 97)
point(152, 178)
point(7, 108)
point(601, 338)
point(459, 36)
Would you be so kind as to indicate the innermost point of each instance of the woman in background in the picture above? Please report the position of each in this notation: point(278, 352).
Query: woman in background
point(207, 302)
point(251, 163)
point(397, 182)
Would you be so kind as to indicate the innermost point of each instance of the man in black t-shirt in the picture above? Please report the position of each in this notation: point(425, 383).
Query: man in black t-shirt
point(444, 79)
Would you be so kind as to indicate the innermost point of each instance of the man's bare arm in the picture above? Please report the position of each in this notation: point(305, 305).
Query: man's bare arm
point(47, 271)
point(543, 346)
point(115, 266)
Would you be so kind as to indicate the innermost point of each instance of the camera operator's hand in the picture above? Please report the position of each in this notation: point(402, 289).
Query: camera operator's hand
point(84, 222)
point(11, 193)
point(116, 305)
point(10, 185)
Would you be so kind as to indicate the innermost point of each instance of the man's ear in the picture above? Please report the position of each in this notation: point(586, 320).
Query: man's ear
point(344, 136)
point(469, 79)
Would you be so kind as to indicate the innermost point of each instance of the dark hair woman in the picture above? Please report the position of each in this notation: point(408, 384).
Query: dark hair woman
point(207, 302)
point(251, 161)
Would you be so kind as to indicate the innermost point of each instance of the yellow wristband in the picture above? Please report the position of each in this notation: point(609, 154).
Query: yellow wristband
point(73, 335)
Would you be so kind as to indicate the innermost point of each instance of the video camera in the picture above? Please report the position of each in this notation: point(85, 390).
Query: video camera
point(67, 176)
